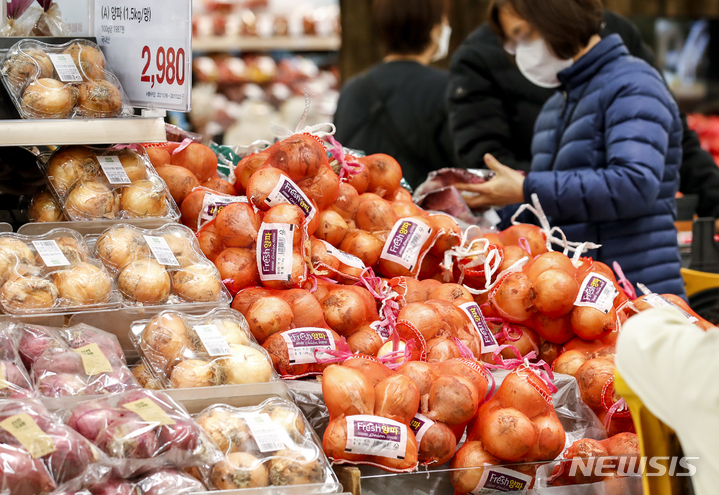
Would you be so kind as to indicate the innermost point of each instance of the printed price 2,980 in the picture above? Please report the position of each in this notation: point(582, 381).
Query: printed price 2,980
point(170, 66)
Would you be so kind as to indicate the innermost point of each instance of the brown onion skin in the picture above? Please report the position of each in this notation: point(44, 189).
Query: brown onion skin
point(220, 185)
point(191, 206)
point(507, 433)
point(363, 245)
point(347, 201)
point(261, 184)
point(306, 309)
point(365, 341)
point(591, 378)
point(521, 393)
point(555, 330)
point(437, 445)
point(401, 194)
point(334, 441)
point(240, 266)
point(322, 261)
point(584, 448)
point(441, 349)
point(198, 159)
point(360, 181)
point(548, 351)
point(297, 277)
point(453, 293)
point(44, 208)
point(344, 310)
point(323, 188)
point(49, 99)
point(299, 156)
point(622, 444)
point(550, 439)
point(452, 400)
point(92, 200)
point(375, 215)
point(180, 182)
point(277, 347)
point(512, 301)
point(89, 61)
point(267, 316)
point(450, 233)
point(373, 370)
point(397, 398)
point(532, 233)
point(332, 228)
point(528, 342)
point(569, 362)
point(410, 456)
point(248, 166)
point(385, 173)
point(470, 455)
point(552, 260)
point(407, 209)
point(423, 317)
point(211, 243)
point(144, 199)
point(99, 99)
point(422, 374)
point(238, 225)
point(289, 214)
point(591, 324)
point(512, 254)
point(246, 297)
point(554, 292)
point(159, 157)
point(347, 392)
point(466, 369)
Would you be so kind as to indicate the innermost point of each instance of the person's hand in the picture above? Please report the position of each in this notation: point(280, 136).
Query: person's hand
point(505, 188)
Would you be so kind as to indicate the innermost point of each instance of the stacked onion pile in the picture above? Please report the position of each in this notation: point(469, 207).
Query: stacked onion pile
point(175, 356)
point(143, 280)
point(30, 286)
point(39, 93)
point(84, 192)
point(288, 454)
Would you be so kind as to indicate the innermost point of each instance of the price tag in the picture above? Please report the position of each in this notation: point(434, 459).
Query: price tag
point(29, 434)
point(265, 432)
point(93, 360)
point(160, 249)
point(373, 435)
point(496, 479)
point(303, 342)
point(405, 242)
point(598, 292)
point(489, 343)
point(65, 67)
point(215, 344)
point(50, 253)
point(274, 251)
point(149, 411)
point(287, 191)
point(148, 44)
point(114, 171)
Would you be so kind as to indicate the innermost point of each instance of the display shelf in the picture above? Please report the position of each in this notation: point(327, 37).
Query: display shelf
point(53, 132)
point(257, 44)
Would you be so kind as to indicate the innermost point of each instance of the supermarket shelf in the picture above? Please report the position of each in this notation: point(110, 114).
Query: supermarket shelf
point(81, 131)
point(257, 44)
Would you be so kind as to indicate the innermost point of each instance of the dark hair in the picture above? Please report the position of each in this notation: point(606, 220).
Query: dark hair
point(404, 26)
point(566, 25)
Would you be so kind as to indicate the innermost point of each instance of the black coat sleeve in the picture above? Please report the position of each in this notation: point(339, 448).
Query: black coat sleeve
point(699, 174)
point(478, 121)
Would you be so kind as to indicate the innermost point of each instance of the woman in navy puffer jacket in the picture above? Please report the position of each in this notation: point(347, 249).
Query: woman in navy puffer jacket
point(607, 147)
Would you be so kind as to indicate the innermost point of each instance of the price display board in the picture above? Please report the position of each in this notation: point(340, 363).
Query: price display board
point(148, 45)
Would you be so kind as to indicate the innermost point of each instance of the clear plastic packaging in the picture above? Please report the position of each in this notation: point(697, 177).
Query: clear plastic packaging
point(106, 184)
point(44, 208)
point(71, 80)
point(183, 351)
point(157, 267)
point(53, 273)
point(14, 380)
point(266, 445)
point(39, 453)
point(68, 362)
point(142, 430)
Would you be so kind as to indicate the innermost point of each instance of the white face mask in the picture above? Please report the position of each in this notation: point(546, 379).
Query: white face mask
point(537, 63)
point(442, 43)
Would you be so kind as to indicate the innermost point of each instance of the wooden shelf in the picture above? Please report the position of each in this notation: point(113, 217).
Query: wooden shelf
point(81, 131)
point(257, 44)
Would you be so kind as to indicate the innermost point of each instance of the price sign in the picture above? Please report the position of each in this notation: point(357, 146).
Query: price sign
point(148, 45)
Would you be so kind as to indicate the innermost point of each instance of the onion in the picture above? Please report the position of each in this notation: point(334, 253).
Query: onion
point(550, 439)
point(293, 467)
point(231, 331)
point(344, 310)
point(165, 341)
point(471, 370)
point(385, 173)
point(245, 365)
point(552, 260)
point(299, 156)
point(192, 373)
point(306, 309)
point(322, 188)
point(239, 470)
point(248, 166)
point(191, 207)
point(83, 285)
point(180, 182)
point(347, 201)
point(334, 441)
point(143, 375)
point(144, 199)
point(453, 293)
point(297, 277)
point(48, 99)
point(520, 390)
point(450, 233)
point(422, 374)
point(21, 474)
point(467, 466)
point(198, 159)
point(406, 209)
point(554, 292)
point(360, 181)
point(246, 298)
point(277, 348)
point(238, 265)
point(423, 317)
point(287, 214)
point(374, 214)
point(267, 316)
point(238, 225)
point(332, 227)
point(512, 301)
point(322, 260)
point(548, 351)
point(120, 246)
point(585, 448)
point(512, 254)
point(347, 392)
point(590, 324)
point(98, 99)
point(569, 362)
point(219, 185)
point(396, 398)
point(89, 60)
point(27, 65)
point(228, 430)
point(507, 433)
point(616, 425)
point(401, 194)
point(454, 319)
point(23, 254)
point(197, 283)
point(365, 341)
point(159, 157)
point(555, 330)
point(182, 247)
point(452, 400)
point(533, 234)
point(92, 200)
point(261, 184)
point(622, 444)
point(44, 208)
point(144, 281)
point(528, 342)
point(388, 348)
point(591, 377)
point(437, 445)
point(28, 293)
point(211, 243)
point(363, 245)
point(133, 164)
point(374, 371)
point(409, 460)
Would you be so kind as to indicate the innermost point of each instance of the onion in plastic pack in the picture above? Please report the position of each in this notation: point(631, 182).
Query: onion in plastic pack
point(169, 482)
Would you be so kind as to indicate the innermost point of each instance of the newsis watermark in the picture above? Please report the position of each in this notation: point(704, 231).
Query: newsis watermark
point(633, 466)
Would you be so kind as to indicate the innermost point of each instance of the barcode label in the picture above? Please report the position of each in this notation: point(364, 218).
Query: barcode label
point(489, 342)
point(373, 435)
point(113, 169)
point(162, 252)
point(265, 432)
point(287, 191)
point(215, 344)
point(274, 259)
point(50, 253)
point(212, 205)
point(345, 258)
point(405, 242)
point(303, 342)
point(65, 67)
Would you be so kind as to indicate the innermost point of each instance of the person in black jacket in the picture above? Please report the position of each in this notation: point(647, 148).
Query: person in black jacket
point(493, 108)
point(398, 107)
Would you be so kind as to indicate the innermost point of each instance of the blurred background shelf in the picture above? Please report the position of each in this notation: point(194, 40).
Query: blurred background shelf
point(258, 44)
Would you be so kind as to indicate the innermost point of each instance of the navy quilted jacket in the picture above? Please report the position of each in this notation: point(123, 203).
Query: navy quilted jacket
point(605, 163)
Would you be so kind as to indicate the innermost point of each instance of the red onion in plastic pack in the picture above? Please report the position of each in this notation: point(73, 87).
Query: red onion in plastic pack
point(169, 482)
point(14, 380)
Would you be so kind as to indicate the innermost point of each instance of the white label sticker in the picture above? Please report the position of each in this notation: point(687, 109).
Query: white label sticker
point(597, 291)
point(288, 192)
point(162, 252)
point(215, 344)
point(489, 343)
point(303, 342)
point(405, 242)
point(274, 251)
point(50, 253)
point(212, 205)
point(497, 479)
point(346, 258)
point(659, 301)
point(114, 171)
point(383, 332)
point(65, 67)
point(373, 435)
point(266, 433)
point(419, 426)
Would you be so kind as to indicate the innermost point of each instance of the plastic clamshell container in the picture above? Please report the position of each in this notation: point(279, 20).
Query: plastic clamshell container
point(88, 228)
